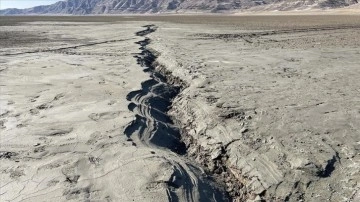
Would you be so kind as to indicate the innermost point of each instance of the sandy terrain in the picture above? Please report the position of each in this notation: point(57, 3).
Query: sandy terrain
point(278, 106)
point(64, 116)
point(266, 108)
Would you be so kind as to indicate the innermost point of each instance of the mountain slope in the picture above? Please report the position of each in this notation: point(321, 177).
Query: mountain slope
point(83, 7)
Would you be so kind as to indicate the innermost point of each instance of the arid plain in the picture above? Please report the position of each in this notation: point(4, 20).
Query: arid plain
point(180, 108)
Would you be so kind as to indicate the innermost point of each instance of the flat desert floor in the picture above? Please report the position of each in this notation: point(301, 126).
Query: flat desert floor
point(180, 108)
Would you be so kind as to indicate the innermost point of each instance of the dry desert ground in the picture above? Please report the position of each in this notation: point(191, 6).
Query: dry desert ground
point(180, 108)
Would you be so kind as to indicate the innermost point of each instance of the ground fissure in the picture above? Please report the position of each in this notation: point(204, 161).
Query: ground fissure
point(178, 140)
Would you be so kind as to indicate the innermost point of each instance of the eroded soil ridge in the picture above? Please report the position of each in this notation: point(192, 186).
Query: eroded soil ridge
point(152, 125)
point(154, 128)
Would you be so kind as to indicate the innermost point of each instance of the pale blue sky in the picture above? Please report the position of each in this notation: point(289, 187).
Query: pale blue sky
point(24, 3)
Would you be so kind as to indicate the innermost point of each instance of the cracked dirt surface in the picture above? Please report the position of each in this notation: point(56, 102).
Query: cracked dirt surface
point(64, 115)
point(278, 107)
point(272, 112)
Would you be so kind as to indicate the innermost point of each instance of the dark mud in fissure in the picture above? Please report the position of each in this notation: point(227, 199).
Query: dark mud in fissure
point(151, 103)
point(153, 127)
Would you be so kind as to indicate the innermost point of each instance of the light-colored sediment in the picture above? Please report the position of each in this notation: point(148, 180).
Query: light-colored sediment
point(270, 108)
point(63, 116)
point(282, 107)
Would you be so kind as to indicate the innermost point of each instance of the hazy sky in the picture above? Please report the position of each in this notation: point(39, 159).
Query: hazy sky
point(24, 3)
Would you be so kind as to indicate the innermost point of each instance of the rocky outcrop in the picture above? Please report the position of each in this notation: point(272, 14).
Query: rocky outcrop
point(83, 7)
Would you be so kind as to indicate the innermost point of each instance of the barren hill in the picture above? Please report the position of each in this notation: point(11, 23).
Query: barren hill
point(83, 7)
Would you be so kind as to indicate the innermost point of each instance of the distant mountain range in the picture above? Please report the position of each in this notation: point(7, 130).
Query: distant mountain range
point(84, 7)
